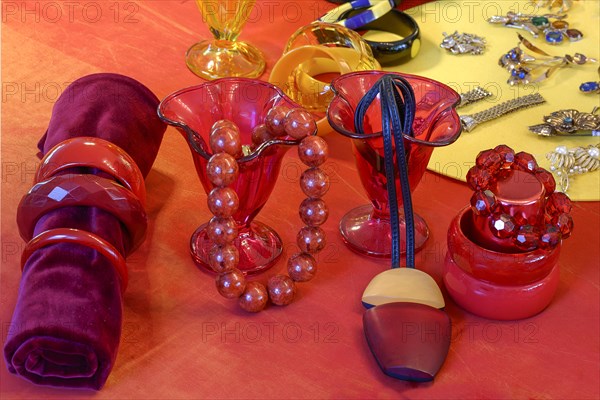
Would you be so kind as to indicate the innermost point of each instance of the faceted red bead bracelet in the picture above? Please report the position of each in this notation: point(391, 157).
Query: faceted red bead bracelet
point(557, 223)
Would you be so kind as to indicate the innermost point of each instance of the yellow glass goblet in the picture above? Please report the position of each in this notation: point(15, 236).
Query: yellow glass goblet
point(224, 56)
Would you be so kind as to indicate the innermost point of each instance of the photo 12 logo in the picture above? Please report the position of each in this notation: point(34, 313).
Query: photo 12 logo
point(36, 92)
point(269, 332)
point(468, 11)
point(18, 172)
point(262, 11)
point(52, 12)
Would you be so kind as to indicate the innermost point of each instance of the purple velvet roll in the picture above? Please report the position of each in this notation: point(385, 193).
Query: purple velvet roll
point(112, 107)
point(66, 325)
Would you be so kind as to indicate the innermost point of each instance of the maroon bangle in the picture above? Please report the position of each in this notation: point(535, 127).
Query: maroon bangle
point(96, 153)
point(82, 190)
point(81, 237)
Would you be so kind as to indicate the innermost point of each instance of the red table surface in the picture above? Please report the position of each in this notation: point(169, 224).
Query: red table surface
point(180, 338)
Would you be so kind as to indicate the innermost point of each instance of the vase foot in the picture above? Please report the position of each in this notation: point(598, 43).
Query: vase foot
point(259, 246)
point(373, 237)
point(213, 59)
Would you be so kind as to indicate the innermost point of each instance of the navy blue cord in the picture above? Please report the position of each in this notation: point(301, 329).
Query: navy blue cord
point(400, 125)
point(388, 160)
point(398, 108)
point(388, 166)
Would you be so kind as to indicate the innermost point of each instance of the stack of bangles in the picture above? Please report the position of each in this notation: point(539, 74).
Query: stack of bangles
point(123, 196)
point(393, 35)
point(330, 46)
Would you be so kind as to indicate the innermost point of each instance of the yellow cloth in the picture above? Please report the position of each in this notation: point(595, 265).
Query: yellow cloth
point(463, 72)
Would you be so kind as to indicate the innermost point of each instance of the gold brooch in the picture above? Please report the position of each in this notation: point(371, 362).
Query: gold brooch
point(523, 67)
point(569, 123)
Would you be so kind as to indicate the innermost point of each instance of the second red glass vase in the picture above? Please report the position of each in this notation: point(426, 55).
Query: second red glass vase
point(366, 229)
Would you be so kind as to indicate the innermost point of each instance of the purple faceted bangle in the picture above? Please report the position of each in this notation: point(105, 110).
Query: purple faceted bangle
point(82, 190)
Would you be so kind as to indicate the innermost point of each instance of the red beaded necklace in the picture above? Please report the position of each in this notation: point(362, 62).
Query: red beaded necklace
point(223, 202)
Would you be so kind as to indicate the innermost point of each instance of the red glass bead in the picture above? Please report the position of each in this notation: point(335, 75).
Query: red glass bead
point(520, 219)
point(274, 120)
point(507, 154)
point(550, 237)
point(479, 178)
point(222, 169)
point(254, 298)
point(564, 223)
point(311, 239)
point(313, 151)
point(527, 238)
point(525, 162)
point(314, 182)
point(225, 138)
point(282, 290)
point(547, 180)
point(483, 203)
point(223, 123)
point(490, 160)
point(260, 134)
point(558, 203)
point(302, 267)
point(221, 231)
point(231, 284)
point(223, 258)
point(313, 212)
point(223, 202)
point(299, 123)
point(503, 226)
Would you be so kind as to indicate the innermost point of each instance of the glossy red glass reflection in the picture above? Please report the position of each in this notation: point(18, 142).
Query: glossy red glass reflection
point(245, 102)
point(520, 201)
point(367, 228)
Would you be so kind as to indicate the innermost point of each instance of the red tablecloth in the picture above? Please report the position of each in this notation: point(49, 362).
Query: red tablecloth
point(180, 338)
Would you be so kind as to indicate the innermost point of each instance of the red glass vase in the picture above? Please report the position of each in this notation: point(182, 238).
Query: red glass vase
point(246, 102)
point(366, 229)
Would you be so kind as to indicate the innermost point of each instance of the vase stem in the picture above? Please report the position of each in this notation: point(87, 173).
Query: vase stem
point(380, 213)
point(225, 56)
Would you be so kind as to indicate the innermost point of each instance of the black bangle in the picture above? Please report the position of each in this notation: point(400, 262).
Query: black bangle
point(396, 51)
point(396, 2)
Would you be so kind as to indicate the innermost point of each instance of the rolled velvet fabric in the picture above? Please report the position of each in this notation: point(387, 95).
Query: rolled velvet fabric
point(66, 325)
